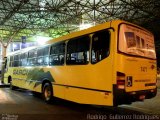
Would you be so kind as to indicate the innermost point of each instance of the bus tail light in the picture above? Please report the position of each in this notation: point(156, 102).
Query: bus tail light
point(120, 80)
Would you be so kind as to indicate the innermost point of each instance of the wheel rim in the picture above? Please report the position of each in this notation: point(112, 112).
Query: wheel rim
point(47, 93)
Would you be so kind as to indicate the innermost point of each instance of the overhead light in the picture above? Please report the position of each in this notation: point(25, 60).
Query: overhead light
point(41, 40)
point(85, 26)
point(14, 45)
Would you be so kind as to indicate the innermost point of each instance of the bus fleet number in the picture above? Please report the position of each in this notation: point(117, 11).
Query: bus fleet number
point(143, 69)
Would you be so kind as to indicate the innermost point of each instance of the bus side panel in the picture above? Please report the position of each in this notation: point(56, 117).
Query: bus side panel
point(84, 84)
point(58, 91)
point(22, 78)
point(85, 96)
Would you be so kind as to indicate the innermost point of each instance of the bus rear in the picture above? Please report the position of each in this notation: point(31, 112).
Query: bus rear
point(136, 65)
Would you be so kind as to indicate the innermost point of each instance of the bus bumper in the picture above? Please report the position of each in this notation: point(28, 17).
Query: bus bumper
point(122, 97)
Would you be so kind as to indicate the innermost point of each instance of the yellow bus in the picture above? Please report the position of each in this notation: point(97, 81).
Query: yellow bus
point(109, 64)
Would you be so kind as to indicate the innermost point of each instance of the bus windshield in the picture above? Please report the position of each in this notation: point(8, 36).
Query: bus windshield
point(135, 41)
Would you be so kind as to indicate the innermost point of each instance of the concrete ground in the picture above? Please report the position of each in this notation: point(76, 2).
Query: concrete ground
point(23, 105)
point(148, 106)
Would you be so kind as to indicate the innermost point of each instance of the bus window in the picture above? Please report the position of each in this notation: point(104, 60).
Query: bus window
point(11, 61)
point(23, 58)
point(130, 39)
point(138, 41)
point(40, 52)
point(16, 61)
point(43, 56)
point(46, 55)
point(57, 54)
point(100, 45)
point(78, 51)
point(40, 58)
point(32, 57)
point(135, 41)
point(143, 45)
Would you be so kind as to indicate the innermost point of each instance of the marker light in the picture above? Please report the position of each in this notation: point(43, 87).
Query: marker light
point(120, 80)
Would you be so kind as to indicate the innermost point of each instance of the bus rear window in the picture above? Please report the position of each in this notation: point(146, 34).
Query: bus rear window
point(135, 41)
point(130, 39)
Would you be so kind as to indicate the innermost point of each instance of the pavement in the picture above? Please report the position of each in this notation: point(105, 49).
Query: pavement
point(2, 85)
point(148, 106)
point(23, 105)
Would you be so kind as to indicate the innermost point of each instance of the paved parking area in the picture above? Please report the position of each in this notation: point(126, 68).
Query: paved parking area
point(148, 106)
point(22, 105)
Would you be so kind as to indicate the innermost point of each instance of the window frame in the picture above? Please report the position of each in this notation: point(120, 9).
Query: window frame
point(26, 57)
point(17, 61)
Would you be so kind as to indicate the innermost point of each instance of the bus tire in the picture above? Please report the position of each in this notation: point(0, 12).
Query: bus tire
point(47, 92)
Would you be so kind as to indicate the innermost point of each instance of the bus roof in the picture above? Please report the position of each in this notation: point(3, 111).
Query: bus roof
point(92, 29)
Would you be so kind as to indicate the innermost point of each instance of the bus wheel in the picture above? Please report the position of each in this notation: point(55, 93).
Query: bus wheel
point(47, 93)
